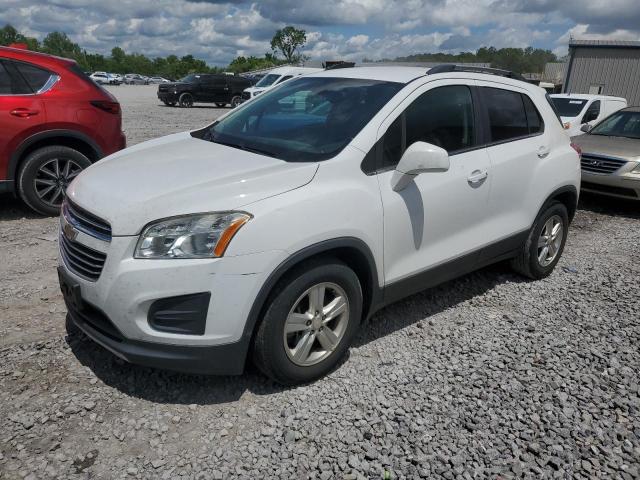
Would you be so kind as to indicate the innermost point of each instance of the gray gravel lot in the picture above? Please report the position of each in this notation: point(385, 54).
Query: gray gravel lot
point(488, 376)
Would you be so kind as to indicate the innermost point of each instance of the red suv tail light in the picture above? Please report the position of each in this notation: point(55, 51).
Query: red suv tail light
point(576, 148)
point(111, 107)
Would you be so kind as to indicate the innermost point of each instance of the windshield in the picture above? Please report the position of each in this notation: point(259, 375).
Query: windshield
point(569, 107)
point(268, 80)
point(307, 119)
point(620, 124)
point(189, 78)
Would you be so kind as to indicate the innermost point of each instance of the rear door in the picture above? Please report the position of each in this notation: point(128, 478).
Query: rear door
point(517, 144)
point(21, 110)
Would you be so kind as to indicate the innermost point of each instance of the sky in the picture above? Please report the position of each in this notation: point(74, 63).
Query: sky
point(217, 31)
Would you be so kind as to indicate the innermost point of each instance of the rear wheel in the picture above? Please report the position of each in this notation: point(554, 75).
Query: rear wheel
point(45, 175)
point(186, 100)
point(235, 101)
point(545, 243)
point(309, 323)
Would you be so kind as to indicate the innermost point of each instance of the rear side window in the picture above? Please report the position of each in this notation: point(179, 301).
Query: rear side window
point(12, 82)
point(35, 77)
point(507, 117)
point(5, 81)
point(534, 119)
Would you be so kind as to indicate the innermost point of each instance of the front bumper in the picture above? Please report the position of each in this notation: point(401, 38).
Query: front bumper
point(227, 359)
point(620, 185)
point(168, 96)
point(115, 308)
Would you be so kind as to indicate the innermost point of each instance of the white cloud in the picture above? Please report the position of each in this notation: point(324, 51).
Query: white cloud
point(219, 30)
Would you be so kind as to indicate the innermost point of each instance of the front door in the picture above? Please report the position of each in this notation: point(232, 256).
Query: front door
point(436, 223)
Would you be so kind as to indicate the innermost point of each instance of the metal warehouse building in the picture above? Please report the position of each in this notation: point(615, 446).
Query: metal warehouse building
point(608, 67)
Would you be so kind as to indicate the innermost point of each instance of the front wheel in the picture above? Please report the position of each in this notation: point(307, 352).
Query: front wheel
point(310, 320)
point(186, 100)
point(45, 175)
point(545, 243)
point(235, 101)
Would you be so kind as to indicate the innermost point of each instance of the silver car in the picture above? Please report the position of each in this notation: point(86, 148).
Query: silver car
point(611, 155)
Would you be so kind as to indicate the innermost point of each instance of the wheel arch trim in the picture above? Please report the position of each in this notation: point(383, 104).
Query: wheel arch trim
point(18, 154)
point(373, 297)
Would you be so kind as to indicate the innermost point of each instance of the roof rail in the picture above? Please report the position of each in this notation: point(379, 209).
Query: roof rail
point(450, 67)
point(339, 64)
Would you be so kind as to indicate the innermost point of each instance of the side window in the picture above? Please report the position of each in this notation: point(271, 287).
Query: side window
point(442, 116)
point(5, 81)
point(392, 143)
point(592, 112)
point(11, 83)
point(534, 120)
point(34, 76)
point(507, 117)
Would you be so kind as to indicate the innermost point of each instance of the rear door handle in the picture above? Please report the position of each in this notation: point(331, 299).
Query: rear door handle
point(477, 177)
point(24, 112)
point(543, 151)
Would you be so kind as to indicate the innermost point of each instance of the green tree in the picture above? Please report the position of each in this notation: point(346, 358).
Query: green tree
point(9, 35)
point(289, 40)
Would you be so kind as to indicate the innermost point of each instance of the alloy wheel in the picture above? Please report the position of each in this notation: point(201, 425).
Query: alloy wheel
point(550, 240)
point(53, 178)
point(316, 324)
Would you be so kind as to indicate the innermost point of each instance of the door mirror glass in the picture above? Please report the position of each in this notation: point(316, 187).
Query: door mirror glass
point(420, 157)
point(586, 128)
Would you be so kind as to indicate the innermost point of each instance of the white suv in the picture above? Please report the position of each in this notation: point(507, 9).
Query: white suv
point(279, 229)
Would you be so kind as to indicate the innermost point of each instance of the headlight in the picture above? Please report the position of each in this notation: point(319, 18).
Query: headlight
point(203, 235)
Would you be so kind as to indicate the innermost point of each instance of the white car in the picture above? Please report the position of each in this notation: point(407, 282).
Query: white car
point(274, 78)
point(101, 78)
point(282, 226)
point(579, 112)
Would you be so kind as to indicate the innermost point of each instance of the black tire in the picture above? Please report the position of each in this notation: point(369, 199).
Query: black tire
point(221, 105)
point(30, 172)
point(269, 353)
point(527, 262)
point(235, 101)
point(186, 100)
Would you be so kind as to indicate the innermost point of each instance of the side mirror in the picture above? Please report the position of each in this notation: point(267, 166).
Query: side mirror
point(420, 157)
point(586, 128)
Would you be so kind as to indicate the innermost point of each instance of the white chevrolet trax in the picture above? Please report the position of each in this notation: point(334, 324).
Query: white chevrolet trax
point(277, 231)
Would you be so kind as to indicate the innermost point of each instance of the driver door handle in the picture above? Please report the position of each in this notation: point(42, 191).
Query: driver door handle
point(477, 177)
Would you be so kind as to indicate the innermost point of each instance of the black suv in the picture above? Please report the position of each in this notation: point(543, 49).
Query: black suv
point(209, 88)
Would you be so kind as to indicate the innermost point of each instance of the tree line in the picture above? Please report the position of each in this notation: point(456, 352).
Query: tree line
point(520, 60)
point(288, 42)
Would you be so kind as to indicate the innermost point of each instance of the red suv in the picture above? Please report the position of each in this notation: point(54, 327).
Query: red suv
point(54, 122)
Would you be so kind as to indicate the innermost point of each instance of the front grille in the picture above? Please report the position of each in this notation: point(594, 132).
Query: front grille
point(82, 260)
point(596, 187)
point(86, 222)
point(246, 95)
point(600, 164)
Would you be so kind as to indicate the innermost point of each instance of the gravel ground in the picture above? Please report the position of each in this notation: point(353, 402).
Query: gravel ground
point(488, 376)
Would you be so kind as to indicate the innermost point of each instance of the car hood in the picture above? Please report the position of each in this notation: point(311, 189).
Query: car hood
point(255, 89)
point(177, 175)
point(626, 148)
